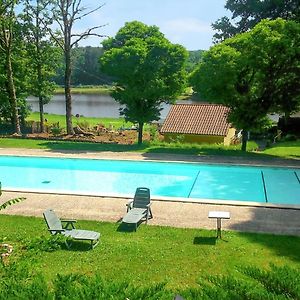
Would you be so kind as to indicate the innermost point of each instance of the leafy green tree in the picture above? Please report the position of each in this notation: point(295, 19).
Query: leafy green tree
point(86, 67)
point(194, 59)
point(148, 70)
point(7, 27)
point(253, 73)
point(43, 56)
point(247, 13)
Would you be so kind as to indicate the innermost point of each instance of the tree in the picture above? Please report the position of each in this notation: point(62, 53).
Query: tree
point(247, 13)
point(65, 13)
point(194, 59)
point(7, 26)
point(43, 56)
point(253, 73)
point(148, 70)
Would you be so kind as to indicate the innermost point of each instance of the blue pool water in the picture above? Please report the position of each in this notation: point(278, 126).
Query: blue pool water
point(187, 180)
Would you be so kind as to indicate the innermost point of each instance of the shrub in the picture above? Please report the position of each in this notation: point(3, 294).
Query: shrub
point(49, 244)
point(290, 138)
point(84, 125)
point(55, 129)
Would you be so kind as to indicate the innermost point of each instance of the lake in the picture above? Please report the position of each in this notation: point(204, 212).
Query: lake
point(95, 105)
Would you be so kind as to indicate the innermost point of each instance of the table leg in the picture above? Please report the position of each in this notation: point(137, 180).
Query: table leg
point(219, 228)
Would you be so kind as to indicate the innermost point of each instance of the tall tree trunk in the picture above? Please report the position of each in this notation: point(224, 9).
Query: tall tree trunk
point(140, 133)
point(286, 118)
point(42, 119)
point(39, 66)
point(68, 92)
point(41, 100)
point(244, 139)
point(12, 93)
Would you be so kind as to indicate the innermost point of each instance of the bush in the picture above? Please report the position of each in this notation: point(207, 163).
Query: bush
point(85, 125)
point(17, 281)
point(49, 244)
point(290, 138)
point(55, 129)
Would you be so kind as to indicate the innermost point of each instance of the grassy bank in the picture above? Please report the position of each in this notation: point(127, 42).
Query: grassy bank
point(51, 118)
point(104, 90)
point(153, 254)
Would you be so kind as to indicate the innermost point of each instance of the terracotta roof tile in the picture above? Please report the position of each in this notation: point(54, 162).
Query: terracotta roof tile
point(205, 119)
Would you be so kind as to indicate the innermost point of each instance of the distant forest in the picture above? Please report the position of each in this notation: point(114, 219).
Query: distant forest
point(87, 71)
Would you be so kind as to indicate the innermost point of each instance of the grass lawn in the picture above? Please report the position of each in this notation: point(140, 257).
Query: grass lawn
point(283, 150)
point(51, 118)
point(150, 255)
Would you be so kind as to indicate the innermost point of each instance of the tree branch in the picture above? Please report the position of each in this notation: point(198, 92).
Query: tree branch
point(88, 13)
point(86, 34)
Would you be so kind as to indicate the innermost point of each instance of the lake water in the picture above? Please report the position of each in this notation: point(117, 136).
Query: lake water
point(101, 106)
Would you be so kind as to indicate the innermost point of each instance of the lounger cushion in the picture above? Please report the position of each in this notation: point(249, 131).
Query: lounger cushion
point(134, 215)
point(78, 234)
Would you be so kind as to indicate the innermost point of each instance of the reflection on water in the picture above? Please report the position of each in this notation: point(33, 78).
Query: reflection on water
point(101, 106)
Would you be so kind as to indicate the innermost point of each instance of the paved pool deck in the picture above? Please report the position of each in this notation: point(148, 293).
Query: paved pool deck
point(275, 220)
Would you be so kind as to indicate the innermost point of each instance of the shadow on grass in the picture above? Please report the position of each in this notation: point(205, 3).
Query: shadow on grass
point(152, 151)
point(77, 246)
point(82, 147)
point(124, 227)
point(279, 221)
point(203, 240)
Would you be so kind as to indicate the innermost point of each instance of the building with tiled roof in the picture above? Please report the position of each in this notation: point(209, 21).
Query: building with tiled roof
point(198, 123)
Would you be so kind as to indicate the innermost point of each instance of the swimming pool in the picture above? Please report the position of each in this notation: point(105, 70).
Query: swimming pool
point(165, 179)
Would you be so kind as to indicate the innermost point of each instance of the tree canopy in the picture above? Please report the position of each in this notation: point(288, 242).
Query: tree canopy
point(247, 13)
point(148, 69)
point(253, 73)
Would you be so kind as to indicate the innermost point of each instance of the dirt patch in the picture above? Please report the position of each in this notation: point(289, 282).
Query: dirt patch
point(125, 137)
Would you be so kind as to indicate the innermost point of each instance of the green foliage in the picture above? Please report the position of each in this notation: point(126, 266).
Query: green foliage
point(194, 59)
point(43, 57)
point(148, 70)
point(75, 286)
point(18, 281)
point(84, 124)
point(9, 202)
point(247, 13)
point(250, 74)
point(86, 69)
point(55, 129)
point(13, 67)
point(50, 243)
point(283, 281)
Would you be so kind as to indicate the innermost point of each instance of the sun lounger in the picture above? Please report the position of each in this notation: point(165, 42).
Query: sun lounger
point(67, 228)
point(139, 209)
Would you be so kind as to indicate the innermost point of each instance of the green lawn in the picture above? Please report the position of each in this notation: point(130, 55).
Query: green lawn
point(150, 255)
point(283, 150)
point(51, 118)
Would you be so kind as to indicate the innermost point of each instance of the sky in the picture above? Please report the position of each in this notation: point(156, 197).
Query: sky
point(186, 22)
